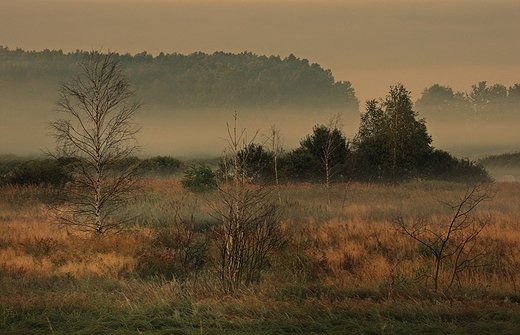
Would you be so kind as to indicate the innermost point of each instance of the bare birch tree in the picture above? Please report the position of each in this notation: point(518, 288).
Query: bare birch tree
point(96, 132)
point(329, 146)
point(331, 149)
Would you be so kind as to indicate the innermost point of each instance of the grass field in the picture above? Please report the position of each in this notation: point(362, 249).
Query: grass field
point(345, 268)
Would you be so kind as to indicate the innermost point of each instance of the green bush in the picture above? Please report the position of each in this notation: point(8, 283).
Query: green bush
point(46, 172)
point(441, 165)
point(199, 179)
point(160, 165)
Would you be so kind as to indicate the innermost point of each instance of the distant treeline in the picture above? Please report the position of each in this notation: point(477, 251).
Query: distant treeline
point(483, 103)
point(244, 80)
point(503, 160)
point(197, 80)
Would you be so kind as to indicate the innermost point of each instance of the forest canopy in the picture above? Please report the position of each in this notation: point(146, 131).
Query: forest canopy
point(197, 80)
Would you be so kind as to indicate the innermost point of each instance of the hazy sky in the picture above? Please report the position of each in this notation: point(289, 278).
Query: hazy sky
point(372, 43)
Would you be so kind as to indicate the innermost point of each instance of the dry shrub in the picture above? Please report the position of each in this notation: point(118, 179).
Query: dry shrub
point(174, 251)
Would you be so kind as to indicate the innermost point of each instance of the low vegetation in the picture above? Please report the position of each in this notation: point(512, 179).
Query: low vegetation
point(346, 267)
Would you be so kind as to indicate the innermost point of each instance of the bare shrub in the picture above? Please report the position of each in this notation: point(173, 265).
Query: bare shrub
point(450, 244)
point(249, 230)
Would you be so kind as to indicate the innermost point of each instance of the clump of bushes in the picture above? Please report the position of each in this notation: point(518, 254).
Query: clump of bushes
point(199, 178)
point(441, 165)
point(44, 172)
point(161, 166)
point(56, 172)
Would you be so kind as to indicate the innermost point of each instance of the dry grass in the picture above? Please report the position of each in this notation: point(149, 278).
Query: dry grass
point(349, 254)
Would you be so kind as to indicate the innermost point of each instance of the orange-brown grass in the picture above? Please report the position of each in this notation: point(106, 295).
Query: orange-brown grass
point(352, 243)
point(360, 246)
point(345, 258)
point(59, 253)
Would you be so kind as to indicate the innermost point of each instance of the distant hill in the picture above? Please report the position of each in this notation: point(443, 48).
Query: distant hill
point(198, 80)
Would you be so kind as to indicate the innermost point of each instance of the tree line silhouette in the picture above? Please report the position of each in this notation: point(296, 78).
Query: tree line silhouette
point(197, 80)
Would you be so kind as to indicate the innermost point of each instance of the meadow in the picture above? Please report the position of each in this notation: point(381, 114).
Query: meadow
point(345, 268)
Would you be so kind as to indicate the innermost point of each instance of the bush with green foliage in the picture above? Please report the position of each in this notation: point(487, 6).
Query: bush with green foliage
point(441, 165)
point(301, 166)
point(322, 156)
point(44, 172)
point(254, 162)
point(199, 179)
point(160, 165)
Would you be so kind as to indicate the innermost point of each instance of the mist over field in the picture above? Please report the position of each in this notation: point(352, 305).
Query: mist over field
point(196, 133)
point(201, 133)
point(23, 130)
point(204, 133)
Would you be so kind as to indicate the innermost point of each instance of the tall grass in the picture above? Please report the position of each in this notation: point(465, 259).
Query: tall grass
point(344, 269)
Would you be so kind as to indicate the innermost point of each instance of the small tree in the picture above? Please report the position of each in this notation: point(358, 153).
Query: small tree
point(254, 162)
point(97, 132)
point(199, 179)
point(452, 245)
point(329, 146)
point(392, 142)
point(249, 230)
point(275, 145)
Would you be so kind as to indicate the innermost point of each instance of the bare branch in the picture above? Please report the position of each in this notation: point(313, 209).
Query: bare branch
point(97, 132)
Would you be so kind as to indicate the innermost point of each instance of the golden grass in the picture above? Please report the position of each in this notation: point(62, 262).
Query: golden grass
point(352, 244)
point(39, 247)
point(343, 266)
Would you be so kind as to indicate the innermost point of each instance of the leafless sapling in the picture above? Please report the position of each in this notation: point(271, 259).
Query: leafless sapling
point(249, 230)
point(451, 243)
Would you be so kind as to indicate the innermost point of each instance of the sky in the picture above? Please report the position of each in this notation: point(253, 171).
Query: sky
point(371, 43)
